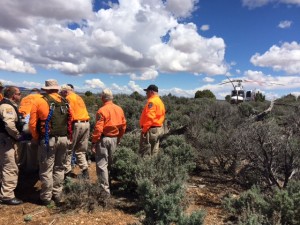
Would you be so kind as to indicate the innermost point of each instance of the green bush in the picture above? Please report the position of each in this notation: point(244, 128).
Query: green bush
point(161, 189)
point(280, 206)
point(82, 195)
point(124, 169)
point(196, 218)
point(161, 184)
point(181, 153)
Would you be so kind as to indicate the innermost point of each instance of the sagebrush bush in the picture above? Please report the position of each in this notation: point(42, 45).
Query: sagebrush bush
point(124, 168)
point(161, 190)
point(196, 218)
point(82, 195)
point(161, 183)
point(180, 151)
point(280, 206)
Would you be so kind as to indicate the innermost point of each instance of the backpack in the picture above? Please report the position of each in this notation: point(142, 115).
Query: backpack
point(58, 117)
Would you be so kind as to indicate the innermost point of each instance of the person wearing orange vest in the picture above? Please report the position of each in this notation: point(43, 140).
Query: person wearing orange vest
point(29, 156)
point(81, 131)
point(27, 102)
point(1, 89)
point(109, 128)
point(151, 122)
point(49, 125)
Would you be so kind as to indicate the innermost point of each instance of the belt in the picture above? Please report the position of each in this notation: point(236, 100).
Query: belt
point(108, 136)
point(155, 126)
point(80, 121)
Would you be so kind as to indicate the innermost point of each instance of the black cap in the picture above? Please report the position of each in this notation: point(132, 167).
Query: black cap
point(71, 86)
point(152, 87)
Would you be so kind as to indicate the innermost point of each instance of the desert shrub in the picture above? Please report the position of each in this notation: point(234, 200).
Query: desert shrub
point(205, 94)
point(245, 109)
point(180, 151)
point(160, 189)
point(131, 140)
point(269, 151)
point(82, 195)
point(280, 206)
point(132, 108)
point(161, 183)
point(196, 218)
point(213, 133)
point(124, 168)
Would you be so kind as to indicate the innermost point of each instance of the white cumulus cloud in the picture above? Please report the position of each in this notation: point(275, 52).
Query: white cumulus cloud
point(133, 37)
point(285, 24)
point(281, 58)
point(259, 3)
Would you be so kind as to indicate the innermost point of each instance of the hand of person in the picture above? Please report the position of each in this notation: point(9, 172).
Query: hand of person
point(118, 140)
point(144, 134)
point(93, 148)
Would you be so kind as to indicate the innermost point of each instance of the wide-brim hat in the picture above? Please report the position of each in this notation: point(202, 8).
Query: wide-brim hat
point(51, 85)
point(65, 87)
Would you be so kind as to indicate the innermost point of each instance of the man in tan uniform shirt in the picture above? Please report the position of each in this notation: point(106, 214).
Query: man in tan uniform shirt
point(10, 133)
point(81, 131)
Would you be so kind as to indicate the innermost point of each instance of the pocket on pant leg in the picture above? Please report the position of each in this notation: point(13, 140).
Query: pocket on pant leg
point(153, 134)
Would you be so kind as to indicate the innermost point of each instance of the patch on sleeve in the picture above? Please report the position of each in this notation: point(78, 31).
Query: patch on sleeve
point(9, 111)
point(150, 105)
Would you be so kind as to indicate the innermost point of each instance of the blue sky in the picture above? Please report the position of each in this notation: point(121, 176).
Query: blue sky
point(180, 45)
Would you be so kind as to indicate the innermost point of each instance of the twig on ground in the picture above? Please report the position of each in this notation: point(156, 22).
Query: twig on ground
point(52, 222)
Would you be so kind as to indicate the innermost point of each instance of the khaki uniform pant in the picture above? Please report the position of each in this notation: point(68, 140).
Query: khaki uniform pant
point(81, 132)
point(51, 159)
point(105, 149)
point(8, 166)
point(149, 143)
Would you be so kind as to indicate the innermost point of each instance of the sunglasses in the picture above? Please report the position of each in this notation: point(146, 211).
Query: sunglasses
point(18, 93)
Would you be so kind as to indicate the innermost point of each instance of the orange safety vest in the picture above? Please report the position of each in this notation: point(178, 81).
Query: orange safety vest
point(153, 114)
point(110, 122)
point(78, 107)
point(1, 96)
point(27, 102)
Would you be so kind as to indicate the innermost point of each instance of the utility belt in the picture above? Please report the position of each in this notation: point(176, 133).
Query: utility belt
point(80, 121)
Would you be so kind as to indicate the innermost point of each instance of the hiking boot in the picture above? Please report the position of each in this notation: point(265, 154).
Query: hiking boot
point(69, 175)
point(13, 201)
point(58, 201)
point(85, 174)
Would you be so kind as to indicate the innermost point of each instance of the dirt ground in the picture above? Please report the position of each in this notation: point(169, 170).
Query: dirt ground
point(204, 192)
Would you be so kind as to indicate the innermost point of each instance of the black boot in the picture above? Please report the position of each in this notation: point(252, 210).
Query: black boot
point(85, 174)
